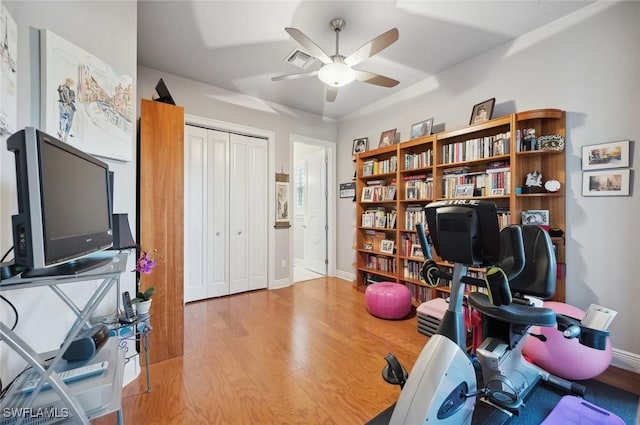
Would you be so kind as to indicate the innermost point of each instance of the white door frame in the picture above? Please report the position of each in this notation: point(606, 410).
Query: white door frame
point(331, 199)
point(271, 137)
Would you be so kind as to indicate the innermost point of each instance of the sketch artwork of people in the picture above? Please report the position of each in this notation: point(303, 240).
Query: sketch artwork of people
point(66, 108)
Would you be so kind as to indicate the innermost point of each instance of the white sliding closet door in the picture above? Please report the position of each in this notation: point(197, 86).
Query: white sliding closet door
point(248, 213)
point(225, 213)
point(206, 213)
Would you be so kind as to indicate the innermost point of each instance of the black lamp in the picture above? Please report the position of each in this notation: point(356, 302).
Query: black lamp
point(122, 238)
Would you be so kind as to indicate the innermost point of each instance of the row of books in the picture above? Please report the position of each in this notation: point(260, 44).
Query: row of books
point(380, 262)
point(374, 166)
point(378, 193)
point(419, 293)
point(417, 189)
point(418, 160)
point(407, 242)
point(482, 147)
point(413, 215)
point(411, 269)
point(493, 182)
point(379, 218)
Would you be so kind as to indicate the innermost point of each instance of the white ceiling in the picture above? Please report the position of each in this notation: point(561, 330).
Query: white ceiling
point(241, 45)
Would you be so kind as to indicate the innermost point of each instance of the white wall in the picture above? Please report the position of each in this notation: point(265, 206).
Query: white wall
point(221, 105)
point(108, 31)
point(587, 64)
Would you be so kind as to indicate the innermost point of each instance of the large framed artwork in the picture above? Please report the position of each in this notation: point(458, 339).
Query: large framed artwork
point(8, 72)
point(85, 102)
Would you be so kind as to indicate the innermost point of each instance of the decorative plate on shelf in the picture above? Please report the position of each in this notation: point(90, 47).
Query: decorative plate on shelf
point(553, 142)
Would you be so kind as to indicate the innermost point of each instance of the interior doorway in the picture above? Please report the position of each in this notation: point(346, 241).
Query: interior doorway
point(310, 213)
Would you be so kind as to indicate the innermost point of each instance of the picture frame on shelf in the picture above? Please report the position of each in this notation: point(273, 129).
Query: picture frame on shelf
point(360, 145)
point(463, 190)
point(387, 138)
point(482, 111)
point(367, 194)
point(497, 192)
point(416, 251)
point(390, 195)
point(367, 220)
point(367, 246)
point(614, 182)
point(386, 246)
point(421, 129)
point(605, 155)
point(535, 217)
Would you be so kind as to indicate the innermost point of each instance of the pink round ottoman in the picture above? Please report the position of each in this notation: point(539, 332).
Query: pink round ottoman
point(566, 358)
point(388, 300)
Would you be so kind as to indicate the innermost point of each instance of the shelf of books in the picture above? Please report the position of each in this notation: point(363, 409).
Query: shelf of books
point(506, 160)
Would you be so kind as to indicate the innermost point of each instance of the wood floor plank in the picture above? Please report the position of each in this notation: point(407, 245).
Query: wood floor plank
point(305, 354)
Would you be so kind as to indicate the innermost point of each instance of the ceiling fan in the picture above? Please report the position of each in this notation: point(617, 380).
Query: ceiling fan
point(337, 70)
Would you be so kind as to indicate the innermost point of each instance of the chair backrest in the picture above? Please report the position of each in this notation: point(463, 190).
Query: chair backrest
point(538, 278)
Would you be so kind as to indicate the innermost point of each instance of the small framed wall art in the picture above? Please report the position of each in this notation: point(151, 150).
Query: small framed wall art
point(605, 155)
point(606, 183)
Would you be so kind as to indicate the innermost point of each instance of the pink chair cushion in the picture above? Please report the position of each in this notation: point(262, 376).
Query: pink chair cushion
point(388, 300)
point(566, 358)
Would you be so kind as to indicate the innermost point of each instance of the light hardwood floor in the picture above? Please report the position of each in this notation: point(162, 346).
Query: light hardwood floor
point(305, 354)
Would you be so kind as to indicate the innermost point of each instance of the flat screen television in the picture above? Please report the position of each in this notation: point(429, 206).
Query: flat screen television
point(64, 205)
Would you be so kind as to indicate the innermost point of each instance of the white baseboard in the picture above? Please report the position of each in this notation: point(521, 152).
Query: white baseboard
point(281, 283)
point(626, 360)
point(345, 275)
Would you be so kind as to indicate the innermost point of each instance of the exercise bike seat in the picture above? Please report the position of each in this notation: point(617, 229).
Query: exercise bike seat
point(537, 278)
point(513, 313)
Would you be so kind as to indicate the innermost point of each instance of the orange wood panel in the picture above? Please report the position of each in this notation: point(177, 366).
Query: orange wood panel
point(160, 222)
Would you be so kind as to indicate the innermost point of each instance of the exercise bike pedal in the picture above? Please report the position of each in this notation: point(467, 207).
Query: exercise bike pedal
point(505, 400)
point(394, 373)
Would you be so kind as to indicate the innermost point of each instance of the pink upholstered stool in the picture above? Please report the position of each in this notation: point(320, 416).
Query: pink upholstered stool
point(388, 300)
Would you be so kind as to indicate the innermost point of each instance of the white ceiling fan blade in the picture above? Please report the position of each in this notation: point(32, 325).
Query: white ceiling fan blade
point(373, 47)
point(311, 47)
point(378, 80)
point(295, 76)
point(331, 93)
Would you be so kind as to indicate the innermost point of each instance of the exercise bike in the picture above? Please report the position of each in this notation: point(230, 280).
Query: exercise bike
point(442, 387)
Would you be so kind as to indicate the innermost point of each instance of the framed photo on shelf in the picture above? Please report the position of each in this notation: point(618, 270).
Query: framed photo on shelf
point(360, 145)
point(367, 194)
point(416, 250)
point(535, 217)
point(387, 138)
point(421, 129)
point(482, 111)
point(386, 246)
point(606, 183)
point(464, 190)
point(391, 193)
point(497, 192)
point(605, 155)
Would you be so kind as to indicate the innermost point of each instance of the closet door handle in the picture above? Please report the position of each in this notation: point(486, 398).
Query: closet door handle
point(239, 232)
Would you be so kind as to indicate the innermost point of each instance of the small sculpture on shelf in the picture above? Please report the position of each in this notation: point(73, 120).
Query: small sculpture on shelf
point(533, 183)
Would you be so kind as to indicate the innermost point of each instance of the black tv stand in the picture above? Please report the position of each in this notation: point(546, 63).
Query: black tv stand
point(74, 267)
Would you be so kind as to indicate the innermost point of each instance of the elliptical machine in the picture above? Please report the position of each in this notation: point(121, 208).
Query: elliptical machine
point(442, 386)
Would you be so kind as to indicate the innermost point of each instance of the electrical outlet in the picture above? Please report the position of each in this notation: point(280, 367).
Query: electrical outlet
point(283, 264)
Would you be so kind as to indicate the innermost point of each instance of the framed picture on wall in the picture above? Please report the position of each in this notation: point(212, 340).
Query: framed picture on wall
point(606, 183)
point(605, 155)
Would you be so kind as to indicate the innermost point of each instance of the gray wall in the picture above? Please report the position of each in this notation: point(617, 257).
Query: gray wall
point(587, 64)
point(108, 31)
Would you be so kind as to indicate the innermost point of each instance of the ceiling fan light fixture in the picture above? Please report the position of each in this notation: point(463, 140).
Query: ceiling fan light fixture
point(336, 74)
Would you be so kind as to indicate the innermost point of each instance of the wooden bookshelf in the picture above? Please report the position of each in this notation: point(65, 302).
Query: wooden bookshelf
point(487, 161)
